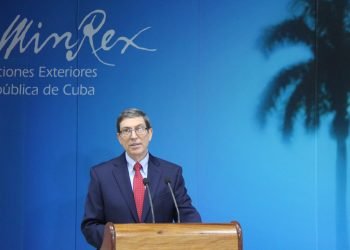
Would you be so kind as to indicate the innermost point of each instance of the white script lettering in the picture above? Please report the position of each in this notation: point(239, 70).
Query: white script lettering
point(17, 34)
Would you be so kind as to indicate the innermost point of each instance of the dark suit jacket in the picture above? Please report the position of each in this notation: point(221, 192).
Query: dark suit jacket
point(110, 197)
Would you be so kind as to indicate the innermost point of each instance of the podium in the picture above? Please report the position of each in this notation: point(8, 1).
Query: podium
point(164, 236)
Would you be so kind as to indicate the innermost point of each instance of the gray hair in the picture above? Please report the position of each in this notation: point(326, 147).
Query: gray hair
point(132, 113)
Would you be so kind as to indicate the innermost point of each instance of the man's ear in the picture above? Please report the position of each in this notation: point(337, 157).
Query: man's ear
point(150, 132)
point(118, 137)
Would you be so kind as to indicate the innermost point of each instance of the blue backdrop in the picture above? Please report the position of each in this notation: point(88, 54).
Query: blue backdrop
point(69, 67)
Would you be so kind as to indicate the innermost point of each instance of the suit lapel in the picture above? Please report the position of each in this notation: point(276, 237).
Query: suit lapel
point(122, 178)
point(154, 176)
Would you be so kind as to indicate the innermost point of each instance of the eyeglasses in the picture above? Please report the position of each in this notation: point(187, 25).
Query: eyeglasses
point(126, 132)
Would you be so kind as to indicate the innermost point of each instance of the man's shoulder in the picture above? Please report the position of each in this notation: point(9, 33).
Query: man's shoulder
point(109, 164)
point(163, 163)
point(120, 161)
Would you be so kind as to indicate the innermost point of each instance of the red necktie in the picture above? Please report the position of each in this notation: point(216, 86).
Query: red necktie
point(139, 190)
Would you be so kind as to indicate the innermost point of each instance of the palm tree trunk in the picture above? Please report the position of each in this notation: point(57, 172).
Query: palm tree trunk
point(341, 196)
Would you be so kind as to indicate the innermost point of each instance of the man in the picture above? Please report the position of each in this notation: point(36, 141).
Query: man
point(116, 192)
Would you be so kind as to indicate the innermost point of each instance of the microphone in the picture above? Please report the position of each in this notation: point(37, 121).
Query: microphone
point(167, 182)
point(146, 183)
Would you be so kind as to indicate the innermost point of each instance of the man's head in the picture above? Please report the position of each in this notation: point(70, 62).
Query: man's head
point(134, 132)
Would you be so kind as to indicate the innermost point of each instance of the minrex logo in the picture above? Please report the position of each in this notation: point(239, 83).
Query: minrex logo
point(17, 35)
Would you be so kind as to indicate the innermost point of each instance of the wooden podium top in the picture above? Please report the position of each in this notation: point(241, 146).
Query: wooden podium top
point(201, 236)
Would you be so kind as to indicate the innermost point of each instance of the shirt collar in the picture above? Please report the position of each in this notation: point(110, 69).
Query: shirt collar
point(143, 162)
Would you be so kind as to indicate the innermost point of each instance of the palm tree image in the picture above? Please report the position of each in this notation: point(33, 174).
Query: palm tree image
point(318, 86)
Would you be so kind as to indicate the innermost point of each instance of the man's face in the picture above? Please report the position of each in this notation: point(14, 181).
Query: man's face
point(136, 143)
